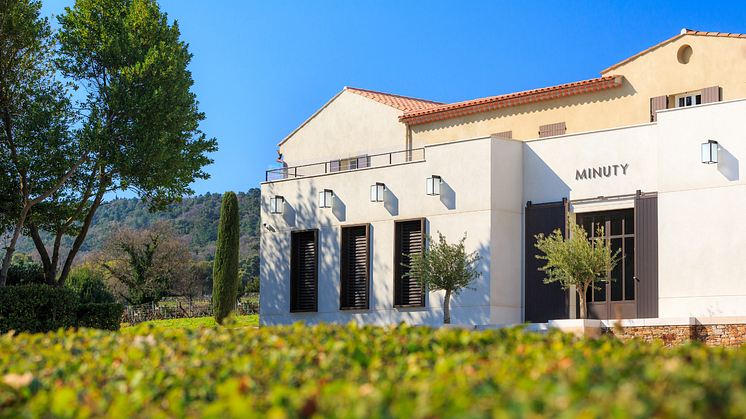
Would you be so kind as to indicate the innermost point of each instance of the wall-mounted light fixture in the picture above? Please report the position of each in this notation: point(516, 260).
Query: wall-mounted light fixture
point(710, 152)
point(276, 204)
point(325, 198)
point(377, 192)
point(433, 185)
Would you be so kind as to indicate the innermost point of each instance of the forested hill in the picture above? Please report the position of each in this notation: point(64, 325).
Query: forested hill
point(196, 219)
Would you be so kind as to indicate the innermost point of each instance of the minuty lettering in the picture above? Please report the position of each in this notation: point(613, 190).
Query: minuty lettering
point(602, 171)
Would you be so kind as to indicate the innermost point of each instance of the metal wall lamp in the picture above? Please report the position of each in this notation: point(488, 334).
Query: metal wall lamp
point(377, 192)
point(710, 152)
point(276, 204)
point(325, 198)
point(433, 185)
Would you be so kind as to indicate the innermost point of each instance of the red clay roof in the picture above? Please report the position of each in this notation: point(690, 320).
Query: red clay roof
point(403, 103)
point(683, 32)
point(513, 99)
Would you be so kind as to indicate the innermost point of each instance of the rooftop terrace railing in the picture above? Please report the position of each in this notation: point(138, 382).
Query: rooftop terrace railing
point(351, 163)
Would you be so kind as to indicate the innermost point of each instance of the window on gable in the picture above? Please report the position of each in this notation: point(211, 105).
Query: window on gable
point(688, 99)
point(304, 259)
point(354, 262)
point(409, 238)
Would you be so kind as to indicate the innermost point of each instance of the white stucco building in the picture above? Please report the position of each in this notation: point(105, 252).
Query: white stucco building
point(624, 150)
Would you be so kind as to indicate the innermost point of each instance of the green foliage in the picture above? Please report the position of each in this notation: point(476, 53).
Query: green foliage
point(24, 271)
point(362, 372)
point(577, 261)
point(36, 144)
point(445, 267)
point(225, 270)
point(88, 282)
point(37, 308)
point(104, 316)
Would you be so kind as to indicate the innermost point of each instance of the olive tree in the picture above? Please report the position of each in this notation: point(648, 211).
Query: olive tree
point(446, 267)
point(577, 261)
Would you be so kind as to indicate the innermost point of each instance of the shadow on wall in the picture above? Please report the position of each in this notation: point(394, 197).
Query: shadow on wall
point(447, 195)
point(727, 163)
point(339, 209)
point(391, 202)
point(541, 183)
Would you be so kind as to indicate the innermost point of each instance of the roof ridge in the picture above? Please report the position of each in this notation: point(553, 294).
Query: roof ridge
point(393, 95)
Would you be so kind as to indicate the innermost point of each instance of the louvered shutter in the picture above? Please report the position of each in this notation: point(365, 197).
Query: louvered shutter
point(504, 134)
point(334, 165)
point(409, 239)
point(303, 271)
point(646, 254)
point(550, 130)
point(362, 161)
point(354, 268)
point(656, 104)
point(711, 94)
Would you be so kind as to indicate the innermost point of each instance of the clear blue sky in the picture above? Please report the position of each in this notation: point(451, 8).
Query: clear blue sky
point(262, 68)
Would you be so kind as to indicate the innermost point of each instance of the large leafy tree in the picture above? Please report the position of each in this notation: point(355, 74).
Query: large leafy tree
point(577, 261)
point(39, 154)
point(140, 119)
point(445, 267)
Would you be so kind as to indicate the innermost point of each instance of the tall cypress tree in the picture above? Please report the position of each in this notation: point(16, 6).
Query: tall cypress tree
point(225, 271)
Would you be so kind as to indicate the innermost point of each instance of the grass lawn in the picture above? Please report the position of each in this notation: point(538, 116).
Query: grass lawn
point(200, 322)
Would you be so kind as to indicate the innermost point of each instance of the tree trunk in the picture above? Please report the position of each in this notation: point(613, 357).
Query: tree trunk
point(49, 268)
point(81, 236)
point(581, 297)
point(12, 246)
point(446, 308)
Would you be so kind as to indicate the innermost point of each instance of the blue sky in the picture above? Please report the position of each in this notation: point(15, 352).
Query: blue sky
point(262, 68)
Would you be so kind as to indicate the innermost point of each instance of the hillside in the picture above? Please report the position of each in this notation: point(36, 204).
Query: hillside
point(194, 219)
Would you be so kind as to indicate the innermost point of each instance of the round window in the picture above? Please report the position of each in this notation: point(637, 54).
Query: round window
point(684, 54)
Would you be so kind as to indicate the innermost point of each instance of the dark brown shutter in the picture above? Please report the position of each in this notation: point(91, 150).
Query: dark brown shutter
point(646, 255)
point(335, 165)
point(711, 94)
point(354, 251)
point(543, 302)
point(304, 271)
point(362, 161)
point(409, 239)
point(551, 130)
point(656, 104)
point(504, 134)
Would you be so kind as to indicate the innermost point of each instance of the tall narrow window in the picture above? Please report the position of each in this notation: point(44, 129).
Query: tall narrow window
point(304, 271)
point(354, 274)
point(409, 238)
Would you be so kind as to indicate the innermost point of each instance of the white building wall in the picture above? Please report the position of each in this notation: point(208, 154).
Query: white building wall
point(463, 206)
point(702, 234)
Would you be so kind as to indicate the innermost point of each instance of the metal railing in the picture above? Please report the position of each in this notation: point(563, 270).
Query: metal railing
point(351, 163)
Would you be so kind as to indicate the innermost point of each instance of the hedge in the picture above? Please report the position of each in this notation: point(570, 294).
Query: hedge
point(100, 315)
point(369, 372)
point(37, 308)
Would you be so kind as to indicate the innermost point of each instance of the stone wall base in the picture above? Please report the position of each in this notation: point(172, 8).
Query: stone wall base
point(732, 335)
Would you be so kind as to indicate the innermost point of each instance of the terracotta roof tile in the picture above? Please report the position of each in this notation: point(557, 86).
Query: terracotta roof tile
point(487, 104)
point(683, 32)
point(403, 103)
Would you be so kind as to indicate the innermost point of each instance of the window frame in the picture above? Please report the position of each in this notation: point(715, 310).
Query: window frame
point(344, 267)
point(294, 237)
point(398, 256)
